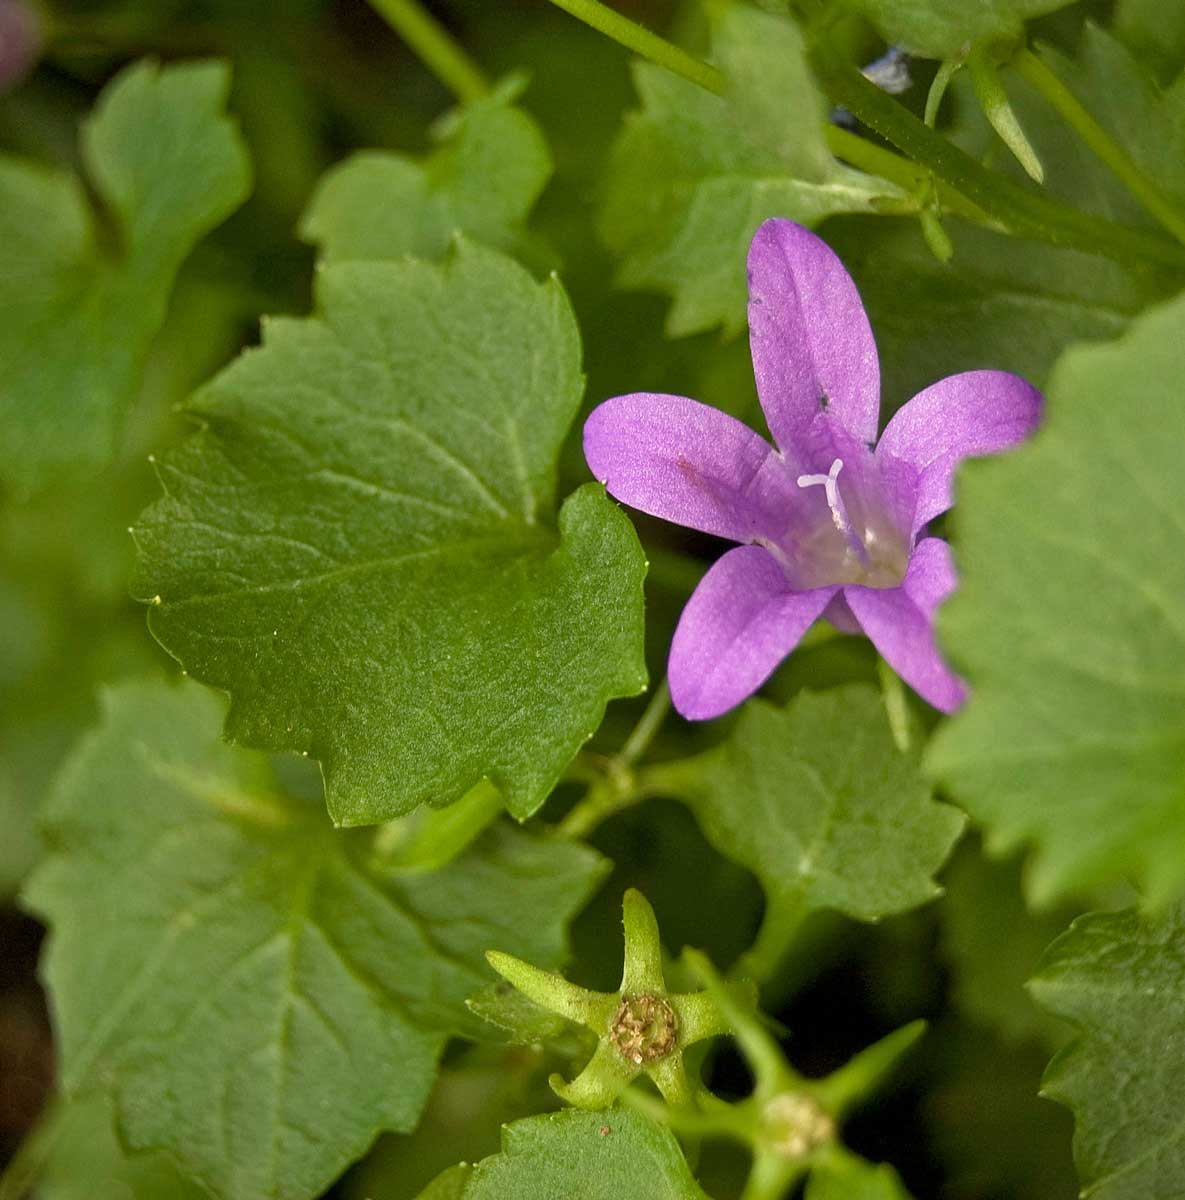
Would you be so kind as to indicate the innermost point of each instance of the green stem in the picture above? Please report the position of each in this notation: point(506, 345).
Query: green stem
point(648, 726)
point(432, 837)
point(942, 77)
point(1019, 210)
point(908, 176)
point(896, 706)
point(620, 786)
point(1067, 106)
point(435, 48)
point(642, 41)
point(779, 927)
point(600, 802)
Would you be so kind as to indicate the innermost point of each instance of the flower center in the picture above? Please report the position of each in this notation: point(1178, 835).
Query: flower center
point(860, 545)
point(794, 1125)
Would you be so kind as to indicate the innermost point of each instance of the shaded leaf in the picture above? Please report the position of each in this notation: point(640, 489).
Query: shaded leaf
point(818, 802)
point(83, 293)
point(483, 181)
point(222, 965)
point(1121, 979)
point(521, 1020)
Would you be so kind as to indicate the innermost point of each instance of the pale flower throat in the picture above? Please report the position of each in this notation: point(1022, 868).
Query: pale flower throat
point(867, 550)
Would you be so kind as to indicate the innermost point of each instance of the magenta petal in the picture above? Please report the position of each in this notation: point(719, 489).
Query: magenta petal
point(737, 627)
point(900, 623)
point(685, 462)
point(812, 345)
point(978, 412)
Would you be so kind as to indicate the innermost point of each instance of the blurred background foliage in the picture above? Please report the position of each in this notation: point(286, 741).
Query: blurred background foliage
point(313, 81)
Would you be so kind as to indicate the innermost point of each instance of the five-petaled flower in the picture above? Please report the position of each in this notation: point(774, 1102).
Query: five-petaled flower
point(832, 523)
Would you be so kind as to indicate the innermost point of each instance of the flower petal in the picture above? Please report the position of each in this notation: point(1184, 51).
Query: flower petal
point(737, 627)
point(900, 622)
point(811, 342)
point(685, 462)
point(977, 412)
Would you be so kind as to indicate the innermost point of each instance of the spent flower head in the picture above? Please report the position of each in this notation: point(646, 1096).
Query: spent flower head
point(832, 521)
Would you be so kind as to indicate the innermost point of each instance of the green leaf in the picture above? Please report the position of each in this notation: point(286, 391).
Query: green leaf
point(693, 175)
point(617, 1154)
point(1153, 30)
point(843, 1176)
point(84, 292)
point(1070, 624)
point(82, 1148)
point(993, 943)
point(817, 801)
point(1120, 978)
point(944, 28)
point(522, 1021)
point(360, 546)
point(483, 181)
point(222, 965)
point(449, 1185)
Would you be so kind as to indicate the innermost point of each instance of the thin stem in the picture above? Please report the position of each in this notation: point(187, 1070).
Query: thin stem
point(942, 77)
point(435, 47)
point(1110, 152)
point(432, 837)
point(600, 802)
point(619, 786)
point(642, 41)
point(779, 928)
point(648, 725)
point(908, 176)
point(896, 706)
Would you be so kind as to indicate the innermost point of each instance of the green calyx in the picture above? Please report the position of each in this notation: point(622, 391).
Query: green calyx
point(789, 1124)
point(642, 1029)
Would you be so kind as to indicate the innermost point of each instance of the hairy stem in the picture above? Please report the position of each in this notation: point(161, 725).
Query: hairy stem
point(1106, 149)
point(435, 47)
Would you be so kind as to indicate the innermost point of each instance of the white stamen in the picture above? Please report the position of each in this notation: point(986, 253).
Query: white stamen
point(830, 486)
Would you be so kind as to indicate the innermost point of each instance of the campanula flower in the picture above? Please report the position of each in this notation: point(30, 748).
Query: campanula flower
point(832, 522)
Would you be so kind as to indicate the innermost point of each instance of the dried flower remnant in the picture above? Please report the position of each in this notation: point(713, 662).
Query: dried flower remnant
point(644, 1028)
point(832, 522)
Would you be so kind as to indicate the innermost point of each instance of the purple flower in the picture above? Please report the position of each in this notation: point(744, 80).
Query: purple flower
point(832, 523)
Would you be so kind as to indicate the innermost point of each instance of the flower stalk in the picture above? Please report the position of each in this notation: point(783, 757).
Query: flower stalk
point(434, 47)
